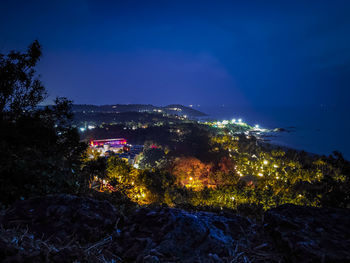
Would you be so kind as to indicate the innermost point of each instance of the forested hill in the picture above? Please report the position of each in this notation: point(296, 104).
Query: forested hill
point(169, 109)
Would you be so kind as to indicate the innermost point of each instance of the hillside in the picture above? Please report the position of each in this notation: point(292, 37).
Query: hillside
point(175, 109)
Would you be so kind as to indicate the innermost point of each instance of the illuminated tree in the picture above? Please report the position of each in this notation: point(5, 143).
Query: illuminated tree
point(156, 182)
point(191, 172)
point(118, 171)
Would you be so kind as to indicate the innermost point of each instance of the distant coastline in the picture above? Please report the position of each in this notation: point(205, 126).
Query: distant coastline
point(117, 108)
point(317, 130)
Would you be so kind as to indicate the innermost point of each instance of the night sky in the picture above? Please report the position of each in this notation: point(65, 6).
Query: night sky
point(242, 53)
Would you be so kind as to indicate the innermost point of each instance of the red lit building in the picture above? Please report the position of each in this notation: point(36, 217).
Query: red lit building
point(110, 142)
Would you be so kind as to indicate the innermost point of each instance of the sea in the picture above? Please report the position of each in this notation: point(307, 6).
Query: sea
point(320, 130)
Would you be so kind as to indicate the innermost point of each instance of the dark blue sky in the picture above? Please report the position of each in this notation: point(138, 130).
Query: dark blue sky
point(243, 53)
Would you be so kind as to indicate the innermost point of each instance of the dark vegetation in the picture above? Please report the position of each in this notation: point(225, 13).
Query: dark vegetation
point(185, 170)
point(40, 151)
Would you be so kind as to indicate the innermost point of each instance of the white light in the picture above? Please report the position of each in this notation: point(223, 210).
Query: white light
point(260, 174)
point(257, 126)
point(90, 127)
point(239, 120)
point(225, 122)
point(266, 162)
point(82, 129)
point(276, 166)
point(233, 120)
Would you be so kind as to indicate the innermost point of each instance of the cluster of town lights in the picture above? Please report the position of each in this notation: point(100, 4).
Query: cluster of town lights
point(89, 127)
point(236, 121)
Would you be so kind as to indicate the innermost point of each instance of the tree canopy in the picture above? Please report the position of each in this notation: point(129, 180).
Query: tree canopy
point(39, 150)
point(20, 87)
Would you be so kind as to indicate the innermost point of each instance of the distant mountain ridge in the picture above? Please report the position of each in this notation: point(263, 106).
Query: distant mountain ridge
point(175, 109)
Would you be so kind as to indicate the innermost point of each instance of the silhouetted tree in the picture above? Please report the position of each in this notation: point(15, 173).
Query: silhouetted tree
point(39, 150)
point(20, 88)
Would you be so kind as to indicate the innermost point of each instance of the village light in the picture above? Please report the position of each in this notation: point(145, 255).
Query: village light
point(257, 126)
point(225, 122)
point(276, 166)
point(239, 120)
point(191, 178)
point(260, 174)
point(265, 162)
point(233, 120)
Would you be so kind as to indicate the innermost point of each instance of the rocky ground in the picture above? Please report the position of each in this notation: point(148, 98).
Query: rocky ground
point(67, 228)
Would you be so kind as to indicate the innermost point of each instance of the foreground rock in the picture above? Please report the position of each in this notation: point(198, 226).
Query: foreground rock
point(63, 218)
point(67, 228)
point(175, 235)
point(309, 234)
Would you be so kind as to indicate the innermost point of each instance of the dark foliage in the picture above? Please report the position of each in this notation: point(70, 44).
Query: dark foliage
point(39, 151)
point(20, 89)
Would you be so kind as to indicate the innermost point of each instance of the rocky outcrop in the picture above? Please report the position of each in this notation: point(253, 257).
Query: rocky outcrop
point(87, 230)
point(19, 245)
point(310, 234)
point(167, 234)
point(63, 217)
point(67, 228)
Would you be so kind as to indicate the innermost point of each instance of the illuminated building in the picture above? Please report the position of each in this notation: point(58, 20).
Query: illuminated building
point(110, 142)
